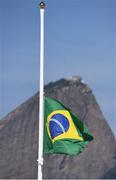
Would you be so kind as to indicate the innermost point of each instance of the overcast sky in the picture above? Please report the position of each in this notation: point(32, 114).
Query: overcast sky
point(80, 39)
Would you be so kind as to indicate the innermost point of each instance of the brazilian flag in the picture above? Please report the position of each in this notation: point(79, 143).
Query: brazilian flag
point(64, 133)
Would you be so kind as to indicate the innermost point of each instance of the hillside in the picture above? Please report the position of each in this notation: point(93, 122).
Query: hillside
point(19, 138)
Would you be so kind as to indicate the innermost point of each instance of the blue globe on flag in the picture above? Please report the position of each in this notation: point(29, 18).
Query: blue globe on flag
point(58, 125)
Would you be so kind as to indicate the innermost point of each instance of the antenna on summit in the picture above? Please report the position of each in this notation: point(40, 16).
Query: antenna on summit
point(41, 96)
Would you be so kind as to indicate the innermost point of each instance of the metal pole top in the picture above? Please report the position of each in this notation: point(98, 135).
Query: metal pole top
point(42, 5)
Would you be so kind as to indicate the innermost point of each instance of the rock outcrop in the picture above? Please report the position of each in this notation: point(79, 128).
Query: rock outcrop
point(19, 138)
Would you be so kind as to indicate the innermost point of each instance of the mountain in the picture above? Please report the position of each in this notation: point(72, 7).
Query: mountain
point(19, 138)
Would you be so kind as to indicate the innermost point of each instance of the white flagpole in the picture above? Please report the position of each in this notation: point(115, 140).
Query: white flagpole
point(41, 97)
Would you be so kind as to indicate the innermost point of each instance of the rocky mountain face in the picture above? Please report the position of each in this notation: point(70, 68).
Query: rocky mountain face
point(19, 138)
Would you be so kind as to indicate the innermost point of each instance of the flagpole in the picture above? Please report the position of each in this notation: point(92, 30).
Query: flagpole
point(41, 97)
